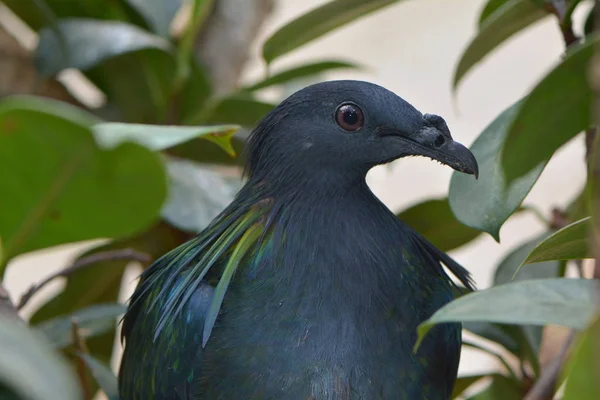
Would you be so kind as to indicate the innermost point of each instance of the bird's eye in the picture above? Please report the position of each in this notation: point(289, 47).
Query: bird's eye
point(349, 117)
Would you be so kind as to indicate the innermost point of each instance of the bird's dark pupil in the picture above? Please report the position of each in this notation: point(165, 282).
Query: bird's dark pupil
point(350, 116)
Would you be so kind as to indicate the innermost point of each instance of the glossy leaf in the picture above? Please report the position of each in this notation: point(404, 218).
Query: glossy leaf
point(486, 203)
point(568, 243)
point(556, 110)
point(434, 220)
point(559, 301)
point(503, 23)
point(57, 186)
point(92, 321)
point(104, 376)
point(317, 23)
point(161, 137)
point(158, 14)
point(197, 194)
point(30, 367)
point(302, 71)
point(583, 366)
point(89, 42)
point(501, 388)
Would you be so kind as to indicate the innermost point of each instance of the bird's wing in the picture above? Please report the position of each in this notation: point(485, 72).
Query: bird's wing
point(173, 309)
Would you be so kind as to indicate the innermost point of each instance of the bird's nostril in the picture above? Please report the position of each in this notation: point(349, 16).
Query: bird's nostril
point(439, 141)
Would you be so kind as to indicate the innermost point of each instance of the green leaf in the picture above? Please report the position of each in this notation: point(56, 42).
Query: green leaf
point(434, 220)
point(489, 9)
point(487, 203)
point(583, 366)
point(197, 194)
point(558, 301)
point(91, 321)
point(556, 110)
point(501, 388)
point(104, 376)
point(89, 42)
point(30, 367)
point(462, 383)
point(58, 187)
point(504, 22)
point(158, 13)
point(240, 110)
point(161, 137)
point(317, 23)
point(300, 72)
point(195, 92)
point(503, 335)
point(209, 153)
point(568, 243)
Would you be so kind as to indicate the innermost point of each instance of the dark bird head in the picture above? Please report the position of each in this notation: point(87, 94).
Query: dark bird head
point(344, 128)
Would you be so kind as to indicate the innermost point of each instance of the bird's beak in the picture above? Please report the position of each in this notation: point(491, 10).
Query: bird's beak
point(433, 143)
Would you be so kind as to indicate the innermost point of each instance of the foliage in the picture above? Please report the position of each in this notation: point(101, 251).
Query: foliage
point(150, 167)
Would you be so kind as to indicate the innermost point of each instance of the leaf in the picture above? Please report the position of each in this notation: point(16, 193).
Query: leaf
point(209, 153)
point(556, 110)
point(30, 366)
point(500, 334)
point(300, 72)
point(317, 23)
point(558, 301)
point(158, 13)
point(489, 9)
point(240, 110)
point(501, 388)
point(57, 186)
point(89, 42)
point(434, 220)
point(92, 321)
point(462, 383)
point(195, 92)
point(568, 243)
point(583, 366)
point(161, 137)
point(196, 194)
point(104, 376)
point(487, 203)
point(503, 23)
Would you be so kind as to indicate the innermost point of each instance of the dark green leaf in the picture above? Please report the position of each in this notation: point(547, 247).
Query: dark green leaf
point(558, 301)
point(464, 382)
point(568, 243)
point(300, 72)
point(556, 110)
point(486, 203)
point(501, 388)
point(317, 23)
point(434, 220)
point(195, 93)
point(57, 186)
point(503, 23)
point(209, 153)
point(583, 366)
point(104, 376)
point(158, 13)
point(30, 366)
point(589, 22)
point(503, 335)
point(92, 321)
point(489, 9)
point(161, 137)
point(89, 42)
point(241, 110)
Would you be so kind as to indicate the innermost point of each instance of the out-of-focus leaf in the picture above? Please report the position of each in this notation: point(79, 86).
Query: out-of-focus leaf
point(583, 366)
point(208, 153)
point(195, 93)
point(504, 22)
point(464, 382)
point(501, 388)
point(489, 9)
point(556, 110)
point(486, 203)
point(501, 334)
point(241, 110)
point(197, 194)
point(434, 220)
point(57, 186)
point(160, 137)
point(568, 243)
point(104, 376)
point(30, 367)
point(589, 21)
point(317, 23)
point(300, 72)
point(89, 42)
point(158, 13)
point(558, 301)
point(91, 321)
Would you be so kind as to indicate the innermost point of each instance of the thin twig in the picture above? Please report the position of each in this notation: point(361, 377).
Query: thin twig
point(112, 255)
point(81, 347)
point(563, 13)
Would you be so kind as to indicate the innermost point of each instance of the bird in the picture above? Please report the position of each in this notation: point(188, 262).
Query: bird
point(306, 286)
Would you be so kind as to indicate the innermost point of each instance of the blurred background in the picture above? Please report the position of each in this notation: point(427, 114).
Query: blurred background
point(411, 48)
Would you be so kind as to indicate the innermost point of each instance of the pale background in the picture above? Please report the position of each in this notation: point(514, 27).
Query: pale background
point(412, 48)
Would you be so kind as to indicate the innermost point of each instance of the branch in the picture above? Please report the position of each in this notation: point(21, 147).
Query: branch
point(112, 255)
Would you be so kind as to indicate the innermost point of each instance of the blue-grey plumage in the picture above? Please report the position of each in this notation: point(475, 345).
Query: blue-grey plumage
point(306, 286)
